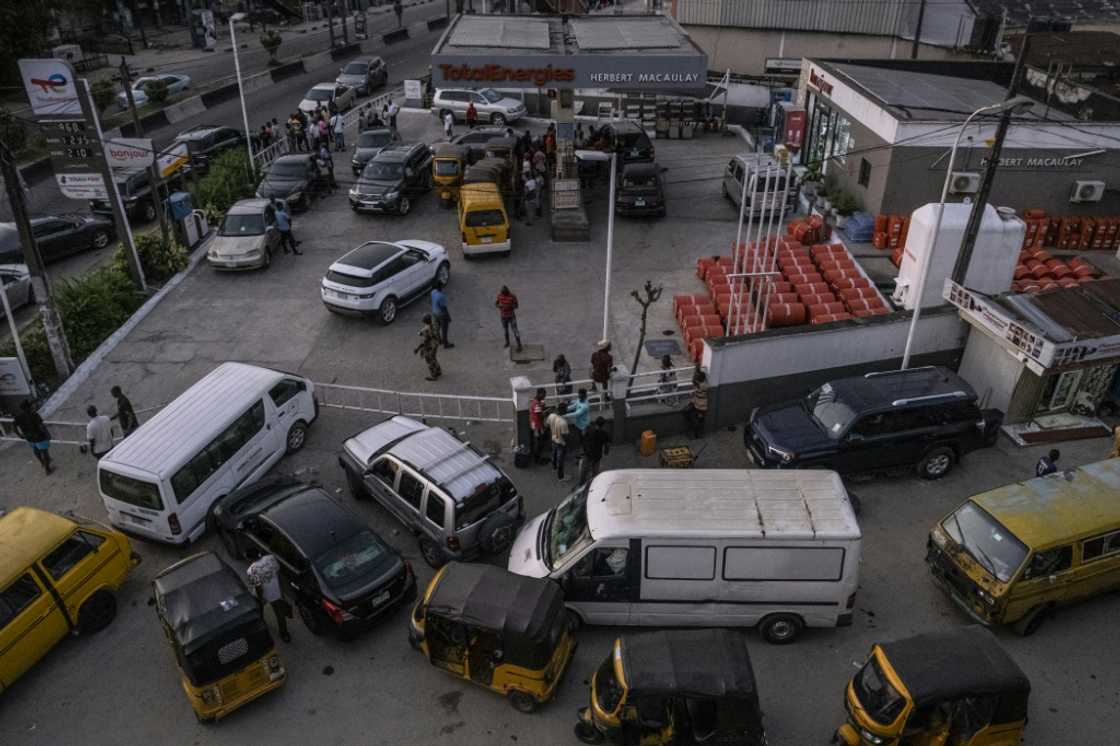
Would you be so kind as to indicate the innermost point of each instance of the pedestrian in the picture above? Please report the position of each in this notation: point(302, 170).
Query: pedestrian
point(398, 8)
point(362, 114)
point(374, 119)
point(540, 163)
point(441, 314)
point(338, 126)
point(125, 415)
point(667, 382)
point(392, 111)
point(262, 137)
point(562, 372)
point(284, 225)
point(30, 426)
point(1048, 464)
point(532, 195)
point(537, 437)
point(697, 411)
point(596, 444)
point(507, 311)
point(550, 145)
point(290, 136)
point(428, 347)
point(558, 432)
point(602, 363)
point(313, 137)
point(326, 165)
point(324, 129)
point(99, 433)
point(526, 142)
point(448, 124)
point(472, 115)
point(579, 416)
point(264, 579)
point(1115, 443)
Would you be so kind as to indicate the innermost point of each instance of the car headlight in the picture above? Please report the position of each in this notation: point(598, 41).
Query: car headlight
point(986, 597)
point(295, 196)
point(781, 453)
point(354, 193)
point(938, 537)
point(211, 695)
point(274, 662)
point(390, 196)
point(870, 737)
point(252, 253)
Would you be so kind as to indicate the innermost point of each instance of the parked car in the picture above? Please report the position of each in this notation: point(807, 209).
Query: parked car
point(295, 178)
point(457, 501)
point(207, 141)
point(491, 106)
point(57, 236)
point(16, 281)
point(135, 187)
point(769, 184)
point(364, 75)
point(390, 181)
point(922, 417)
point(370, 143)
point(247, 238)
point(640, 191)
point(477, 139)
point(322, 95)
point(176, 83)
point(629, 140)
point(339, 574)
point(379, 277)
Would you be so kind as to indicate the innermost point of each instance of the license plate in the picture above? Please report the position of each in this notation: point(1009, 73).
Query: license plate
point(341, 296)
point(639, 203)
point(486, 239)
point(380, 598)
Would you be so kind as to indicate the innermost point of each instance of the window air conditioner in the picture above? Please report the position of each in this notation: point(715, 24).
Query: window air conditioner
point(1087, 191)
point(964, 182)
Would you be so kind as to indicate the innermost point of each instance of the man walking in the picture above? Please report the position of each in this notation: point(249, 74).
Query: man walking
point(1048, 464)
point(126, 415)
point(507, 310)
point(99, 433)
point(536, 426)
point(558, 431)
point(472, 115)
point(596, 444)
point(441, 314)
point(601, 364)
point(428, 347)
point(532, 195)
point(393, 111)
point(264, 579)
point(338, 127)
point(30, 426)
point(449, 124)
point(284, 225)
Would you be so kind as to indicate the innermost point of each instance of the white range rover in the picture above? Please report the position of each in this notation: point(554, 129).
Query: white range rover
point(378, 277)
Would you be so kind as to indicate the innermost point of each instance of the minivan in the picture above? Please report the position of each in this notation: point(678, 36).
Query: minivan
point(483, 221)
point(701, 548)
point(58, 577)
point(768, 177)
point(224, 432)
point(1014, 554)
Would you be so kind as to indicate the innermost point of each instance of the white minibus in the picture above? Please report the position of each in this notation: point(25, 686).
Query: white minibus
point(779, 549)
point(222, 433)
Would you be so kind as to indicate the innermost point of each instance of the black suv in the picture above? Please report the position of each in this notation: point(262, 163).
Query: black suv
point(390, 181)
point(339, 574)
point(629, 140)
point(640, 191)
point(924, 417)
point(135, 187)
point(207, 141)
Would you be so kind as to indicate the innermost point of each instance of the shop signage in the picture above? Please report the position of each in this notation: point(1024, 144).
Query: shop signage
point(82, 186)
point(72, 146)
point(129, 152)
point(51, 87)
point(172, 159)
point(636, 72)
point(1039, 163)
point(413, 90)
point(819, 83)
point(795, 128)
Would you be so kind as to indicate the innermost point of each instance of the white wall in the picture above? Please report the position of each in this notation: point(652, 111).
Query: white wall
point(990, 369)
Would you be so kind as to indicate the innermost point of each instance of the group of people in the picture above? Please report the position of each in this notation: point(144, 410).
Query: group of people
point(566, 426)
point(538, 157)
point(309, 132)
point(371, 118)
point(29, 425)
point(435, 326)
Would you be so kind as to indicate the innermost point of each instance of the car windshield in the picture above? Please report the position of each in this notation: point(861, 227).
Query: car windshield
point(375, 139)
point(344, 563)
point(243, 225)
point(383, 171)
point(447, 166)
point(831, 414)
point(129, 490)
point(355, 68)
point(485, 218)
point(319, 94)
point(288, 170)
point(566, 527)
point(491, 95)
point(986, 541)
point(639, 182)
point(607, 689)
point(876, 695)
point(632, 139)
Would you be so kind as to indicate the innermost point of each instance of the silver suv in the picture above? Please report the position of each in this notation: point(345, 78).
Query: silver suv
point(491, 106)
point(457, 503)
point(379, 277)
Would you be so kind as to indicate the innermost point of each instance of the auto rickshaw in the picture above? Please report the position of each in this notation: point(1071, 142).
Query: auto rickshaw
point(448, 164)
point(225, 652)
point(490, 170)
point(509, 633)
point(679, 687)
point(951, 688)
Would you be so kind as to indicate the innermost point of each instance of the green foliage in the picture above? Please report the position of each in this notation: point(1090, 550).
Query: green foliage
point(228, 180)
point(38, 353)
point(157, 91)
point(13, 132)
point(23, 33)
point(845, 204)
point(270, 40)
point(104, 92)
point(160, 260)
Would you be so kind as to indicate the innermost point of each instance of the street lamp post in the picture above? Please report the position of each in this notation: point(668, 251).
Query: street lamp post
point(241, 89)
point(1018, 102)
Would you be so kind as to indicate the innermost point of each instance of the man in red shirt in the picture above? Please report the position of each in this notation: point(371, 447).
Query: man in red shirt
point(539, 435)
point(507, 310)
point(472, 115)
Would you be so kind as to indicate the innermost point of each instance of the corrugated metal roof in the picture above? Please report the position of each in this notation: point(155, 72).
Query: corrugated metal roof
point(495, 31)
point(638, 33)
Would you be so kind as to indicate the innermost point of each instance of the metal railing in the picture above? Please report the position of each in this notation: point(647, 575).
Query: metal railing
point(350, 118)
point(62, 433)
point(558, 392)
point(264, 157)
point(420, 406)
point(670, 387)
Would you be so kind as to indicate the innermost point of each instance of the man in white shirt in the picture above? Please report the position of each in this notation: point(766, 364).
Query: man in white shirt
point(338, 127)
point(558, 431)
point(393, 111)
point(532, 199)
point(449, 124)
point(99, 433)
point(264, 578)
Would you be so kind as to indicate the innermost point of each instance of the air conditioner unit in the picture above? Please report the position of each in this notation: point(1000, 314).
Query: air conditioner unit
point(1087, 191)
point(964, 182)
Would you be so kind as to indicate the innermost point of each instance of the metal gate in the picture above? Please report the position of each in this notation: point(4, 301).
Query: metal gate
point(421, 406)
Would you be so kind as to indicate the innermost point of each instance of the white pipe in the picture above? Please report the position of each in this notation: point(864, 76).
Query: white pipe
point(737, 249)
point(610, 249)
point(241, 93)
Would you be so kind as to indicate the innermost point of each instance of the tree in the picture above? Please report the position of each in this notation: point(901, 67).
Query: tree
point(157, 91)
point(13, 131)
point(103, 92)
point(270, 40)
point(646, 298)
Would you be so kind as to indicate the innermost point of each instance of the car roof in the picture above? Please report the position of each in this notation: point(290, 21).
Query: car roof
point(641, 169)
point(491, 597)
point(370, 255)
point(313, 521)
point(902, 387)
point(16, 268)
point(199, 131)
point(625, 125)
point(395, 153)
point(25, 534)
point(325, 86)
point(248, 207)
point(295, 158)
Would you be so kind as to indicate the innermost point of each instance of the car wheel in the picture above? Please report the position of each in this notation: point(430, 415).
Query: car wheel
point(781, 629)
point(936, 463)
point(388, 311)
point(404, 205)
point(96, 613)
point(100, 239)
point(148, 212)
point(521, 701)
point(588, 733)
point(432, 554)
point(443, 274)
point(357, 489)
point(1030, 623)
point(311, 619)
point(498, 119)
point(297, 436)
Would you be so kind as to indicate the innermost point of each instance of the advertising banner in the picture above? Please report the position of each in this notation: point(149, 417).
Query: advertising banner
point(131, 152)
point(51, 87)
point(635, 72)
point(82, 186)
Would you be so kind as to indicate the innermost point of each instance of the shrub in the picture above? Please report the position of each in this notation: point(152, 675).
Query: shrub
point(38, 354)
point(157, 91)
point(270, 40)
point(13, 132)
point(227, 181)
point(845, 204)
point(104, 93)
point(160, 260)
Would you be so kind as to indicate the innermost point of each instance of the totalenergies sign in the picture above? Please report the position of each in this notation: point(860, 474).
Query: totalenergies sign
point(540, 76)
point(51, 87)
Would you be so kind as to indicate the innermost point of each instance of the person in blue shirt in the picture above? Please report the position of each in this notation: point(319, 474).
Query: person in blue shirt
point(1048, 464)
point(284, 225)
point(440, 313)
point(579, 415)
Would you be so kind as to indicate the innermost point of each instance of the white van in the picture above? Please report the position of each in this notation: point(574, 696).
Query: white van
point(222, 433)
point(701, 547)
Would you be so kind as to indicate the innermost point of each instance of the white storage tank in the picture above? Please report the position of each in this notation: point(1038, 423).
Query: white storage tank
point(993, 257)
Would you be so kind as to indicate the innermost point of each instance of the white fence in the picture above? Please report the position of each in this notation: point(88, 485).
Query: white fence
point(66, 433)
point(420, 406)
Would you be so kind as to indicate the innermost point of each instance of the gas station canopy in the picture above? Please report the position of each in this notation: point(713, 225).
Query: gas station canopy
point(624, 52)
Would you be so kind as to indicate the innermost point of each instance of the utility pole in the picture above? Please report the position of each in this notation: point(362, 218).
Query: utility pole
point(153, 169)
point(330, 27)
point(344, 14)
point(918, 30)
point(960, 269)
point(40, 284)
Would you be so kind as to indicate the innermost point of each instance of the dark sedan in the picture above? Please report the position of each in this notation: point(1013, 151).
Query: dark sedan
point(293, 178)
point(340, 575)
point(57, 236)
point(370, 143)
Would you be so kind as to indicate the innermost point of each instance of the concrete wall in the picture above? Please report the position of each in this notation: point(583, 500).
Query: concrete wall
point(786, 363)
point(846, 175)
point(991, 370)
